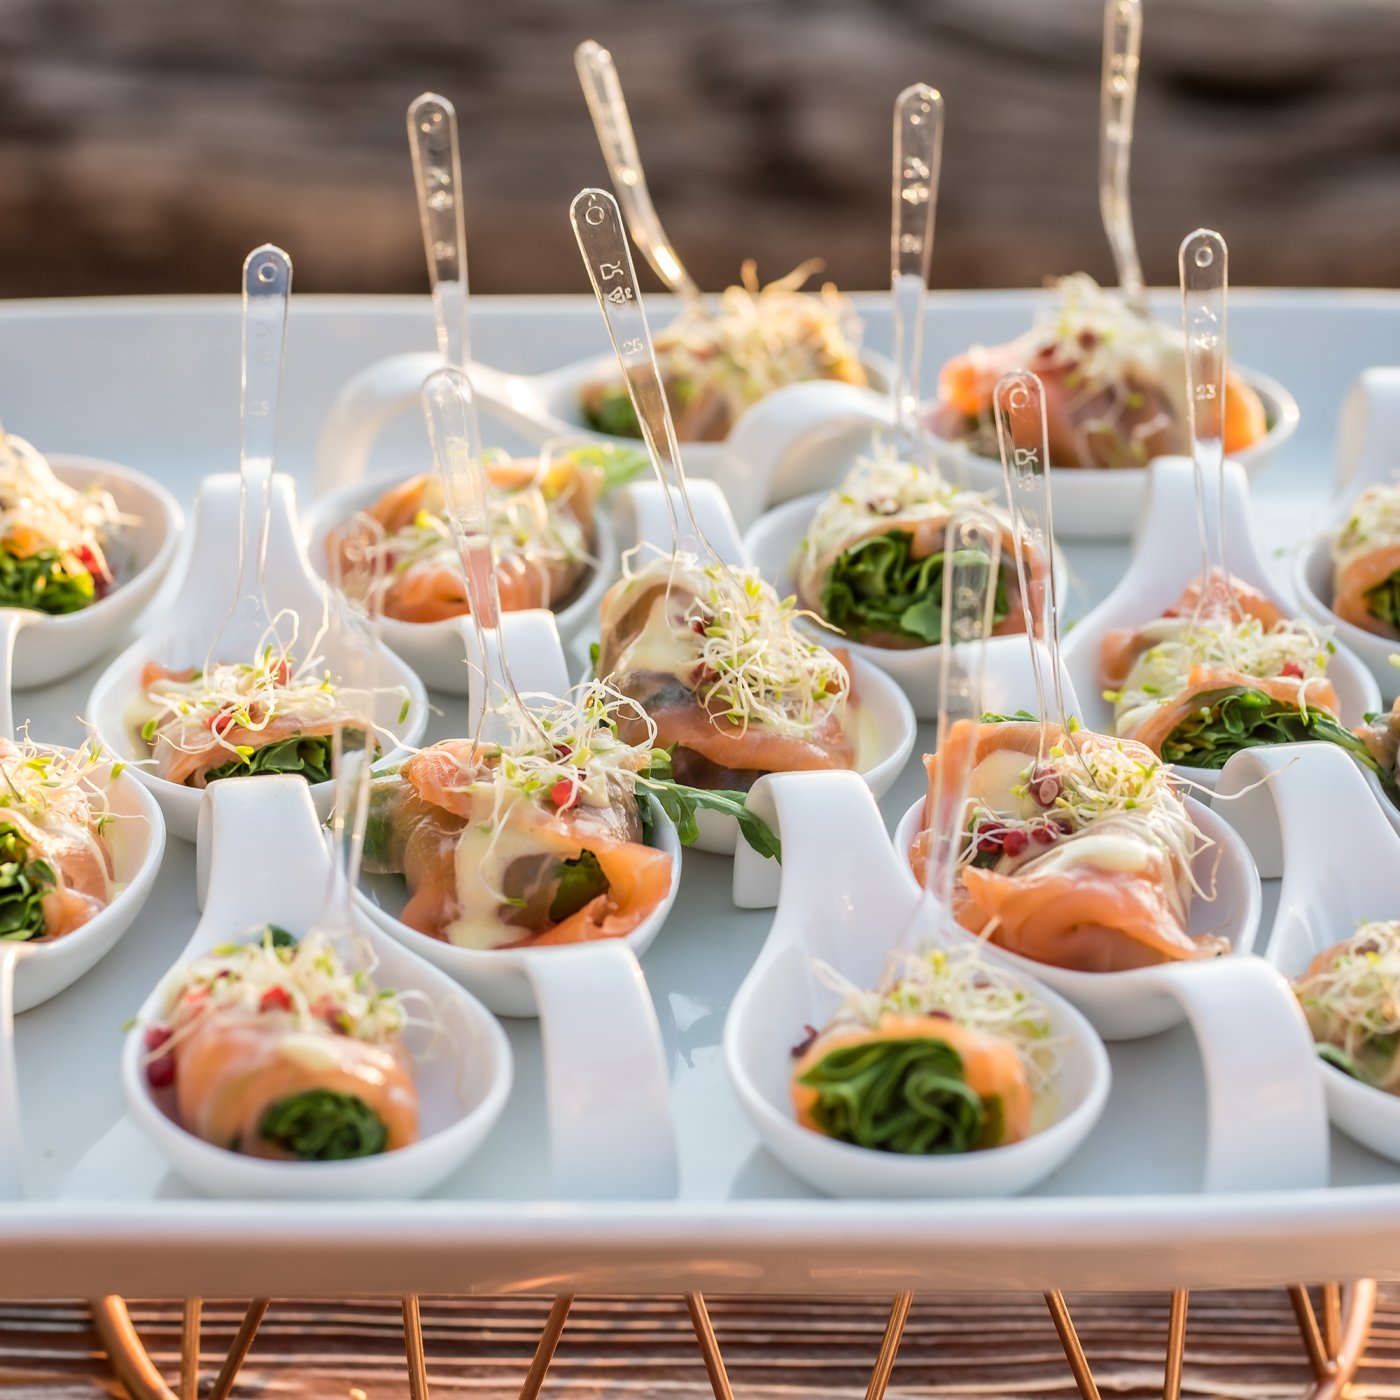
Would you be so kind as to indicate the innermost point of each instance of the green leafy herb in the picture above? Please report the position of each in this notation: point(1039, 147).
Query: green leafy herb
point(23, 884)
point(307, 754)
point(608, 409)
point(905, 1095)
point(44, 582)
point(279, 937)
point(619, 465)
point(1339, 1059)
point(580, 881)
point(323, 1126)
point(681, 803)
point(1383, 601)
point(877, 586)
point(1225, 721)
point(1020, 717)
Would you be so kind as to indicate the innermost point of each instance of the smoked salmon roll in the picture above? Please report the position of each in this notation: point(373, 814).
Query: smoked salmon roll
point(273, 1048)
point(951, 1055)
point(716, 360)
point(1222, 670)
point(540, 839)
point(55, 867)
point(1082, 861)
point(717, 666)
point(1351, 997)
point(872, 563)
point(267, 715)
point(1366, 563)
point(542, 533)
point(1115, 385)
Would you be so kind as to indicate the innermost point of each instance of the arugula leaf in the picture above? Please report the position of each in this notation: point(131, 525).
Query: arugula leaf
point(23, 885)
point(878, 586)
point(580, 881)
point(307, 754)
point(45, 583)
point(1240, 717)
point(1383, 601)
point(321, 1125)
point(608, 409)
point(681, 803)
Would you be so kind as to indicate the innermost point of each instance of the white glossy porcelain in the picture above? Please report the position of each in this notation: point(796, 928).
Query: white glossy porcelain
point(1311, 801)
point(884, 719)
point(182, 636)
point(1265, 1122)
point(772, 543)
point(1165, 559)
point(50, 648)
point(1368, 454)
point(538, 406)
point(434, 649)
point(806, 436)
point(266, 861)
point(843, 902)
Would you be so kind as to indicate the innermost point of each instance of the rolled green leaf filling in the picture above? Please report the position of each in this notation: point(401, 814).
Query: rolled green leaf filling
point(309, 755)
point(1240, 717)
point(877, 586)
point(23, 884)
point(43, 582)
point(1383, 601)
point(609, 410)
point(581, 881)
point(906, 1096)
point(323, 1126)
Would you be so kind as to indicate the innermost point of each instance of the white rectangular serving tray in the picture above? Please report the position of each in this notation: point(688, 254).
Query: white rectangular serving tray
point(154, 383)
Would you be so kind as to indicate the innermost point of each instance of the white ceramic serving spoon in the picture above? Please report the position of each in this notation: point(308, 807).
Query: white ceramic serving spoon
point(263, 567)
point(1368, 454)
point(265, 861)
point(32, 973)
point(43, 648)
point(1160, 570)
point(673, 515)
point(1339, 861)
point(1122, 46)
point(602, 90)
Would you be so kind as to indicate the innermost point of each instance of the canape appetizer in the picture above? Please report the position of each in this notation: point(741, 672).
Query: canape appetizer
point(57, 545)
point(541, 838)
point(1219, 673)
point(952, 1056)
point(268, 715)
point(1351, 997)
point(716, 665)
point(273, 1048)
point(1115, 385)
point(871, 564)
point(1366, 563)
point(1083, 861)
point(55, 868)
point(716, 361)
point(542, 533)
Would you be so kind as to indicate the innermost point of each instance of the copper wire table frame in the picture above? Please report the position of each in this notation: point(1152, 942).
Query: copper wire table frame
point(1334, 1345)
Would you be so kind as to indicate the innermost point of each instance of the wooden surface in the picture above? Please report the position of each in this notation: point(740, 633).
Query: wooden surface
point(1238, 1345)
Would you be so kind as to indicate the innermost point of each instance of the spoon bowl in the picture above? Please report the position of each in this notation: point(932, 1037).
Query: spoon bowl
point(183, 637)
point(50, 648)
point(1311, 800)
point(843, 902)
point(433, 649)
point(1161, 568)
point(266, 861)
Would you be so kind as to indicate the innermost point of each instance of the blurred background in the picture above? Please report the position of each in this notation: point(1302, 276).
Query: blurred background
point(146, 145)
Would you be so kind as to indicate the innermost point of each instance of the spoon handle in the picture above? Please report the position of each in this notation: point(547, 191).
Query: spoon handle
point(437, 177)
point(602, 241)
point(1203, 266)
point(455, 434)
point(1021, 437)
point(357, 570)
point(1122, 47)
point(972, 555)
point(11, 620)
point(602, 89)
point(267, 283)
point(918, 157)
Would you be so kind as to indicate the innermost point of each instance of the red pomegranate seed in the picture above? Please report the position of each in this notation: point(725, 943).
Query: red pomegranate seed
point(275, 999)
point(160, 1072)
point(1045, 834)
point(564, 793)
point(221, 722)
point(1292, 668)
point(990, 838)
point(1014, 842)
